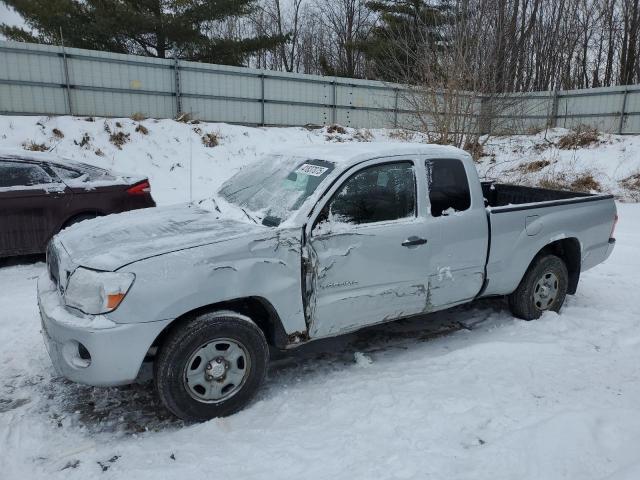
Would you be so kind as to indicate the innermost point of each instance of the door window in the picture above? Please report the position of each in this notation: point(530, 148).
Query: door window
point(448, 186)
point(15, 174)
point(375, 194)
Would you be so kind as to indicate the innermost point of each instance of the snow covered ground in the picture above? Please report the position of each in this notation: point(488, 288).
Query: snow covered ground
point(469, 393)
point(499, 399)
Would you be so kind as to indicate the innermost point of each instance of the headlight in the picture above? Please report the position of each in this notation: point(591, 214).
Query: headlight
point(96, 292)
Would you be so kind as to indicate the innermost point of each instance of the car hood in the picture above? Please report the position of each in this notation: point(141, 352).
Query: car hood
point(108, 243)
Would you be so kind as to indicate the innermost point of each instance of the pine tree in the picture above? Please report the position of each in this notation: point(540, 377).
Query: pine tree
point(404, 26)
point(159, 28)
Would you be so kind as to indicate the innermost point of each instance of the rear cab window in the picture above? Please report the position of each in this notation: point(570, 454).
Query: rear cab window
point(448, 186)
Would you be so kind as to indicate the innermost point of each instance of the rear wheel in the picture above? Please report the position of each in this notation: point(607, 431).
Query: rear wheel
point(543, 287)
point(211, 366)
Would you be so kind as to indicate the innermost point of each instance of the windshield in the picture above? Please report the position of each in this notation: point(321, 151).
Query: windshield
point(276, 186)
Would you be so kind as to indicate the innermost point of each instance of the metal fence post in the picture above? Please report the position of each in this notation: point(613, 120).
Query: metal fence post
point(484, 126)
point(176, 67)
point(553, 121)
point(623, 111)
point(395, 109)
point(262, 81)
point(65, 64)
point(335, 101)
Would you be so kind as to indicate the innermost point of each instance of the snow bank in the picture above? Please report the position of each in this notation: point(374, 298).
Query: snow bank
point(183, 162)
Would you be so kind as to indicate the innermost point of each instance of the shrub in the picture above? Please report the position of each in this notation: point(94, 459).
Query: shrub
point(535, 166)
point(142, 129)
point(335, 128)
point(632, 185)
point(57, 133)
point(138, 117)
point(363, 135)
point(119, 139)
point(210, 140)
point(99, 153)
point(184, 117)
point(579, 138)
point(475, 149)
point(35, 147)
point(586, 183)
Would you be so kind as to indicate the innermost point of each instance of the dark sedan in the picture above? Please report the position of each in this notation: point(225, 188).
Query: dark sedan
point(40, 194)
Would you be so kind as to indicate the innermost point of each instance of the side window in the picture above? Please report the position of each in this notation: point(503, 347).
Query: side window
point(448, 186)
point(17, 174)
point(375, 194)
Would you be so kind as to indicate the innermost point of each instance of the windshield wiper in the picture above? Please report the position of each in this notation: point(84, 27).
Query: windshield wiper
point(249, 216)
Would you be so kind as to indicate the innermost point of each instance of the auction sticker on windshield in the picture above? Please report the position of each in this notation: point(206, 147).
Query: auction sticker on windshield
point(313, 170)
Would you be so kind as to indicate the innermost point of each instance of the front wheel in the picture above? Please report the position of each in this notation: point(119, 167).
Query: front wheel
point(211, 366)
point(543, 287)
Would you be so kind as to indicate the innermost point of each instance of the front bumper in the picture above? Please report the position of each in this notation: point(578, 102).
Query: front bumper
point(116, 350)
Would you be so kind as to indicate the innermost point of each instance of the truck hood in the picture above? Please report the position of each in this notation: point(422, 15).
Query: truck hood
point(108, 243)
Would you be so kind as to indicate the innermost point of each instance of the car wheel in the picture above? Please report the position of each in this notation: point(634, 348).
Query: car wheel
point(544, 287)
point(211, 366)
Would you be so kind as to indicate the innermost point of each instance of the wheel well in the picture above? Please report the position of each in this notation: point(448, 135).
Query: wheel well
point(568, 249)
point(75, 216)
point(257, 308)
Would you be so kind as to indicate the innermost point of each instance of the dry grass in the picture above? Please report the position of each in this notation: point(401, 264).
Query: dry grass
point(119, 139)
point(583, 182)
point(535, 166)
point(401, 135)
point(632, 185)
point(184, 117)
point(84, 141)
point(363, 135)
point(335, 128)
point(586, 183)
point(99, 153)
point(581, 137)
point(475, 149)
point(535, 130)
point(118, 125)
point(138, 117)
point(142, 129)
point(57, 133)
point(210, 140)
point(553, 184)
point(35, 147)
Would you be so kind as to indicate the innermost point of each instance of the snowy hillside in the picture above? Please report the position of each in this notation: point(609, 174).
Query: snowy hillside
point(176, 155)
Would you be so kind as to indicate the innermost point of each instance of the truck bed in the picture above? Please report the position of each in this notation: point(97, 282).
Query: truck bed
point(503, 195)
point(524, 220)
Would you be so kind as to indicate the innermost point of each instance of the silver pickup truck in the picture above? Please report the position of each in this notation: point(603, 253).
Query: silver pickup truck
point(302, 245)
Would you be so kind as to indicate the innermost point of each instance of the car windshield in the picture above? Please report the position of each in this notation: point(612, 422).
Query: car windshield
point(275, 187)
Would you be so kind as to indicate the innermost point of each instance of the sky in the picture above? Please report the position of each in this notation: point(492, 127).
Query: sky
point(9, 16)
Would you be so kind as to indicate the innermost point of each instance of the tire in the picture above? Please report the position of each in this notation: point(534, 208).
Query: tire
point(197, 378)
point(543, 287)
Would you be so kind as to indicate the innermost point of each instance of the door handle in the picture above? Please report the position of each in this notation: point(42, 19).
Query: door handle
point(413, 241)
